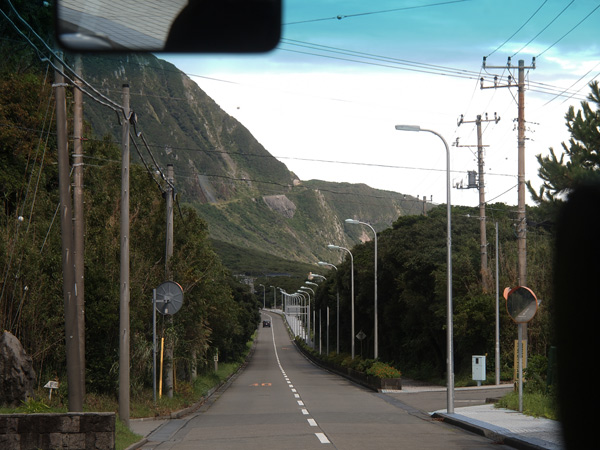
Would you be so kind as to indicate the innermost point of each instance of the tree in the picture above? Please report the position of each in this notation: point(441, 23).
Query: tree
point(580, 159)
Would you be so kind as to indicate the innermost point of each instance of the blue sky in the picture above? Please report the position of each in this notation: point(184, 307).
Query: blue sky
point(325, 102)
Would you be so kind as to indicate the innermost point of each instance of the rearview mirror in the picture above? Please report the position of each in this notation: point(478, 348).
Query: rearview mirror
point(200, 26)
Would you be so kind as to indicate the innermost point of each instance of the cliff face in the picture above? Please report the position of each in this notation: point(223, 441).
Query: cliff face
point(248, 197)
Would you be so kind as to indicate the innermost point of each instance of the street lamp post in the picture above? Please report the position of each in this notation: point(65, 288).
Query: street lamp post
point(315, 325)
point(375, 327)
point(449, 326)
point(336, 247)
point(314, 309)
point(264, 301)
point(337, 340)
point(302, 289)
point(298, 321)
point(274, 297)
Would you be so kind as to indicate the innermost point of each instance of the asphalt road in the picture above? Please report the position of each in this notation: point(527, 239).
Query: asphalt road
point(283, 401)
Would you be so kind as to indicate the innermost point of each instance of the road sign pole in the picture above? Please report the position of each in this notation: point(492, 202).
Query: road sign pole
point(154, 343)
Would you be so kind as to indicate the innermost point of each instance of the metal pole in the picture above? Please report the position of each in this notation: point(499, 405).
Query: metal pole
point(320, 334)
point(328, 330)
point(449, 324)
point(337, 319)
point(375, 325)
point(154, 344)
point(124, 336)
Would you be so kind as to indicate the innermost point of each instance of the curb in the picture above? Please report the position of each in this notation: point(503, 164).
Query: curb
point(497, 434)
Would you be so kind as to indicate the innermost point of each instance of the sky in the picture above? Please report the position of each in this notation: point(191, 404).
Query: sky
point(326, 100)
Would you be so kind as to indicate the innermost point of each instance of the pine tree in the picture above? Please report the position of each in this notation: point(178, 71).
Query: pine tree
point(580, 160)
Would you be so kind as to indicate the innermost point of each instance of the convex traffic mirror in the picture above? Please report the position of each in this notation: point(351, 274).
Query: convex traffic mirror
point(521, 303)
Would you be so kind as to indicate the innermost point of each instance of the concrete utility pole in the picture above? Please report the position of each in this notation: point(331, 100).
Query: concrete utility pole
point(66, 221)
point(124, 331)
point(485, 275)
point(521, 214)
point(79, 216)
point(169, 350)
point(521, 218)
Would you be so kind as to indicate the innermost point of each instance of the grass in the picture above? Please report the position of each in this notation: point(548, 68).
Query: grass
point(534, 404)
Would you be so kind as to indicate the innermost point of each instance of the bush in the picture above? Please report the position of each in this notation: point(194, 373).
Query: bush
point(535, 374)
point(383, 370)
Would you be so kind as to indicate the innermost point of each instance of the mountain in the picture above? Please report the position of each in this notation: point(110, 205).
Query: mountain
point(250, 200)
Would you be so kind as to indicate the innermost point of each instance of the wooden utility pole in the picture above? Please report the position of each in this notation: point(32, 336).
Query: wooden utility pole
point(66, 226)
point(124, 330)
point(79, 216)
point(485, 274)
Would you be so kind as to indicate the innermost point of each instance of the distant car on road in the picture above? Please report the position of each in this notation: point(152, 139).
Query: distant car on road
point(266, 323)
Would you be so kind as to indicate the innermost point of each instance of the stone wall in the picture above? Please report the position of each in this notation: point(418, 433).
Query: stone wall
point(72, 431)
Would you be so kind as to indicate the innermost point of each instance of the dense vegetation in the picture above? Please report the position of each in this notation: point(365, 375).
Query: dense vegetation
point(412, 291)
point(217, 312)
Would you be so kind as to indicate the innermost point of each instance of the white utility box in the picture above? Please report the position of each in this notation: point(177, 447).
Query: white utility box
point(478, 367)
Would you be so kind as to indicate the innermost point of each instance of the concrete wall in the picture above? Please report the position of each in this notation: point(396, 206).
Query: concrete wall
point(72, 431)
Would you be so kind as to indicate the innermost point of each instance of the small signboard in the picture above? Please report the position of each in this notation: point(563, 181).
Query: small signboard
point(51, 385)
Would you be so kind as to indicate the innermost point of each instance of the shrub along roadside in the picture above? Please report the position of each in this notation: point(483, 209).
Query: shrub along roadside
point(371, 367)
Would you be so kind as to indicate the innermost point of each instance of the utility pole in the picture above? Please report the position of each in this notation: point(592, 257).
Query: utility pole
point(66, 222)
point(169, 351)
point(79, 216)
point(521, 218)
point(485, 275)
point(124, 331)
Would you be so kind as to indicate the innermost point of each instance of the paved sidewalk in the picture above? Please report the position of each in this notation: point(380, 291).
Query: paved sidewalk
point(506, 426)
point(502, 425)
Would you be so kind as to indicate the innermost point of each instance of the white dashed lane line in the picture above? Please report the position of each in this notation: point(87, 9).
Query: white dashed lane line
point(312, 422)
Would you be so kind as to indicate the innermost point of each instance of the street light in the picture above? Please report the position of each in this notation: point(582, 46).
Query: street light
point(375, 332)
point(264, 302)
point(337, 349)
point(449, 326)
point(306, 309)
point(274, 296)
point(336, 247)
point(303, 290)
point(315, 321)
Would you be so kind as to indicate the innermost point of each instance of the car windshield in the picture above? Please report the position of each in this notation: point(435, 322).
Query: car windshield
point(362, 178)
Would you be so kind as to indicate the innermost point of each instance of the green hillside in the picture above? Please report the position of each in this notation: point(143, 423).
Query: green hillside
point(249, 198)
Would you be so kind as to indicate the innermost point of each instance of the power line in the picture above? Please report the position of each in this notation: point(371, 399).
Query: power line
point(520, 28)
point(545, 28)
point(399, 64)
point(569, 32)
point(384, 11)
